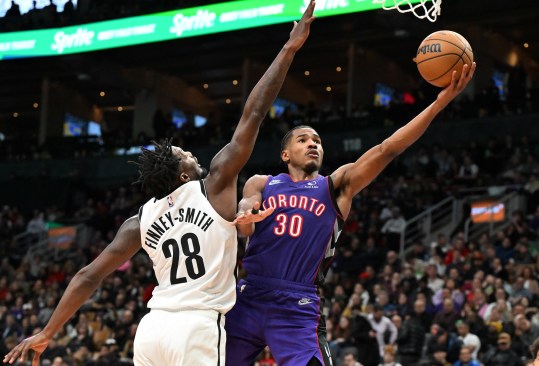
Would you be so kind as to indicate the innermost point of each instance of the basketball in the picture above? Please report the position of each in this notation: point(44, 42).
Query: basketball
point(441, 53)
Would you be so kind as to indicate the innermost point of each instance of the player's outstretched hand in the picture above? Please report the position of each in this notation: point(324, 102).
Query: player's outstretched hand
point(37, 343)
point(300, 32)
point(457, 84)
point(253, 215)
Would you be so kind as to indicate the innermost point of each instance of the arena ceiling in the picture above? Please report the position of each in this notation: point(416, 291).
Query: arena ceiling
point(491, 27)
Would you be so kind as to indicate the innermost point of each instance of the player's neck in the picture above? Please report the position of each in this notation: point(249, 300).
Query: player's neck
point(300, 174)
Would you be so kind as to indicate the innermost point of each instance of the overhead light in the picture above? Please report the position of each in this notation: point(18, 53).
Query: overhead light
point(339, 69)
point(401, 33)
point(228, 101)
point(328, 88)
point(120, 108)
point(235, 82)
point(307, 73)
point(205, 86)
point(102, 94)
point(16, 114)
point(36, 105)
point(526, 45)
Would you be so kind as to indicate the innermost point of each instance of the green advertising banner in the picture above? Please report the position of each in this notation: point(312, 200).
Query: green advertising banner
point(168, 25)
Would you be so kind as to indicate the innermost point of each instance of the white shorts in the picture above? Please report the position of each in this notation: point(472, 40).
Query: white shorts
point(180, 338)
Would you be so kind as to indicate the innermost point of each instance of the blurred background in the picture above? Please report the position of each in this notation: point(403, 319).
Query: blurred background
point(447, 233)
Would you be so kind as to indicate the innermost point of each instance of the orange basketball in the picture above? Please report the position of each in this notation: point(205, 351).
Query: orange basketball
point(441, 53)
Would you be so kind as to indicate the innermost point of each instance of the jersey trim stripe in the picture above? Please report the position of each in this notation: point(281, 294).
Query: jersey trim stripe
point(203, 188)
point(219, 340)
point(323, 346)
point(331, 189)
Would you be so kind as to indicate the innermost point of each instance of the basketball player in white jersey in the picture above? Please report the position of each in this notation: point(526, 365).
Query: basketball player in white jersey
point(187, 230)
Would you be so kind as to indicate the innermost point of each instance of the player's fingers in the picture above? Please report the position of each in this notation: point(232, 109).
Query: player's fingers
point(266, 212)
point(472, 69)
point(464, 76)
point(309, 10)
point(238, 221)
point(454, 80)
point(13, 355)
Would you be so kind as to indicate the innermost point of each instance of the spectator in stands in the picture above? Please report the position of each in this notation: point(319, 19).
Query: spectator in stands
point(468, 170)
point(530, 279)
point(434, 282)
point(498, 270)
point(365, 339)
point(342, 338)
point(439, 357)
point(518, 291)
point(505, 251)
point(349, 359)
point(522, 253)
point(466, 359)
point(442, 341)
point(411, 337)
point(469, 341)
point(37, 224)
point(525, 330)
point(382, 326)
point(499, 295)
point(389, 357)
point(446, 316)
point(502, 355)
point(457, 253)
point(394, 228)
point(11, 328)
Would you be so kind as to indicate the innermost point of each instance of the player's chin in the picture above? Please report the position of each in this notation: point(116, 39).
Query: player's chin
point(202, 172)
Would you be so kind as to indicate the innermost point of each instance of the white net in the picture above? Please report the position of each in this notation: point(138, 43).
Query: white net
point(429, 9)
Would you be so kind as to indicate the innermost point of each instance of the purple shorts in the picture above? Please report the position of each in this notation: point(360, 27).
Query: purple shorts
point(281, 314)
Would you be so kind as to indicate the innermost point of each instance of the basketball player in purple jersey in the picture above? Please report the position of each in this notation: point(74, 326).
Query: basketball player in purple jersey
point(293, 221)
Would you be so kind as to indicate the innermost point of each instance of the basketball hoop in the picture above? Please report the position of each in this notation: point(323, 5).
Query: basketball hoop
point(421, 10)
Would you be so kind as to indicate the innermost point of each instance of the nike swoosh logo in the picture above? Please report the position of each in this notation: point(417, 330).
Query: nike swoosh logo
point(304, 301)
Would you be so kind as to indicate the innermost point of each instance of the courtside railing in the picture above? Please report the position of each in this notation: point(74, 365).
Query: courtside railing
point(440, 218)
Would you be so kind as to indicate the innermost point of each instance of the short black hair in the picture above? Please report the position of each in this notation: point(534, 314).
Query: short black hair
point(288, 136)
point(158, 169)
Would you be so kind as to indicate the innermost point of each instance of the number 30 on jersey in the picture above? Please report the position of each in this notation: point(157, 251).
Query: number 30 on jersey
point(292, 225)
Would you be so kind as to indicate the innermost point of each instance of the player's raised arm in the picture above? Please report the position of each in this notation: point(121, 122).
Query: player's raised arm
point(234, 155)
point(84, 283)
point(351, 178)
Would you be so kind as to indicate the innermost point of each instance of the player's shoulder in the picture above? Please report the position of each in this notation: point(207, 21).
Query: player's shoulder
point(258, 179)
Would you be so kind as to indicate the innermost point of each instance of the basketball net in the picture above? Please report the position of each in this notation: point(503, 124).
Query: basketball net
point(429, 9)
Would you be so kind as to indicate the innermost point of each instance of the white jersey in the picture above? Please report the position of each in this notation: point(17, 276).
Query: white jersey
point(193, 250)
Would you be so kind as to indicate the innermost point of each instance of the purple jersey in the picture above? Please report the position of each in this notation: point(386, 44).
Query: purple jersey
point(298, 238)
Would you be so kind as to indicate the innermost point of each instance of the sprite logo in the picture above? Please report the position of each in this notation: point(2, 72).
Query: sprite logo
point(202, 19)
point(81, 38)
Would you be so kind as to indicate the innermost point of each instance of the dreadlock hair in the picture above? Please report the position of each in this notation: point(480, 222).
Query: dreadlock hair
point(288, 136)
point(158, 170)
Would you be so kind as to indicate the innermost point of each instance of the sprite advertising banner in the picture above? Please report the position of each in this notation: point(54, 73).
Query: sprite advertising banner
point(168, 25)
